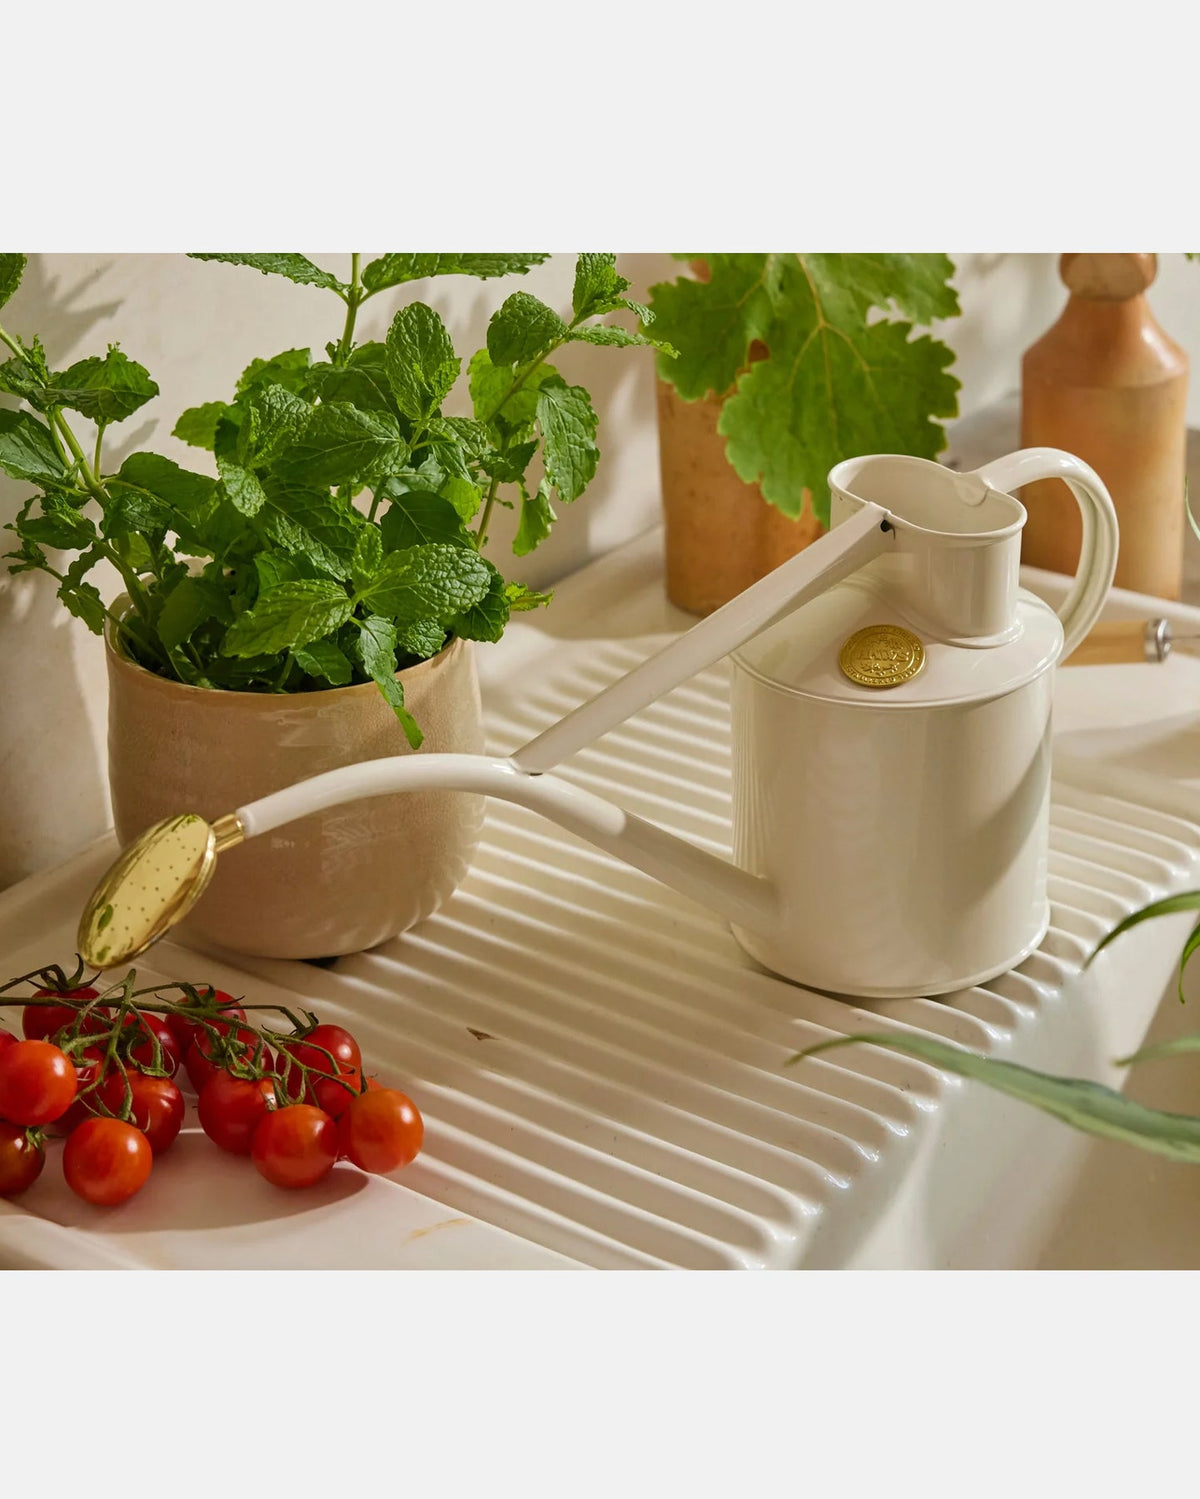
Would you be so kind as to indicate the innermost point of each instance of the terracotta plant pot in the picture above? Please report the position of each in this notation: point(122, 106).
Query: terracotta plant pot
point(340, 880)
point(721, 535)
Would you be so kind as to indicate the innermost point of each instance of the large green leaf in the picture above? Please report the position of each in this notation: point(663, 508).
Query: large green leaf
point(27, 449)
point(1084, 1105)
point(415, 516)
point(189, 604)
point(362, 380)
point(537, 517)
point(837, 379)
point(198, 424)
point(342, 445)
point(421, 362)
point(313, 525)
point(486, 619)
point(377, 651)
point(295, 267)
point(291, 369)
point(276, 419)
point(289, 615)
point(568, 426)
point(393, 270)
point(104, 390)
point(434, 581)
point(522, 328)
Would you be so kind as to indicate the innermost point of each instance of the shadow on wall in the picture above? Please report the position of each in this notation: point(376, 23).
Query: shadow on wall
point(53, 797)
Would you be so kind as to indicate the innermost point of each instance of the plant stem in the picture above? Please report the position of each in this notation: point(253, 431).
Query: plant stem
point(353, 301)
point(485, 515)
point(99, 448)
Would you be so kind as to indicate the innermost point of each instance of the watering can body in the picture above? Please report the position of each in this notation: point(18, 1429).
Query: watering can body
point(891, 709)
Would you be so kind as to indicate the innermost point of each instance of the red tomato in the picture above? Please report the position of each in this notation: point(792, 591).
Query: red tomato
point(295, 1146)
point(88, 1066)
point(143, 1052)
point(21, 1160)
point(327, 1050)
point(105, 1161)
point(381, 1130)
point(199, 1056)
point(40, 1021)
point(185, 1030)
point(332, 1095)
point(156, 1105)
point(37, 1083)
point(231, 1109)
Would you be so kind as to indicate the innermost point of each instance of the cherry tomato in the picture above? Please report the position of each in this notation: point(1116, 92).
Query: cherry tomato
point(231, 1109)
point(344, 1057)
point(185, 1030)
point(105, 1161)
point(40, 1021)
point(332, 1095)
point(143, 1052)
point(37, 1083)
point(21, 1159)
point(295, 1146)
point(156, 1105)
point(381, 1130)
point(88, 1066)
point(199, 1056)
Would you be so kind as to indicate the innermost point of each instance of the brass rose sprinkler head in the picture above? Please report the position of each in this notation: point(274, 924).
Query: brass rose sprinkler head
point(152, 885)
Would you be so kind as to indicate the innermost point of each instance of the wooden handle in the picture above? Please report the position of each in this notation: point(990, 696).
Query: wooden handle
point(1111, 641)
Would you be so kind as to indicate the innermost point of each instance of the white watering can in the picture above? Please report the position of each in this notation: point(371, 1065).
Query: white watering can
point(892, 692)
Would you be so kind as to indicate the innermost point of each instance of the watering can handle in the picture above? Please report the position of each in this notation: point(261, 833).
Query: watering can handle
point(1098, 554)
point(845, 549)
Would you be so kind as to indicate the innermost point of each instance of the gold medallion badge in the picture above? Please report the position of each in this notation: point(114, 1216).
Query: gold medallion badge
point(881, 656)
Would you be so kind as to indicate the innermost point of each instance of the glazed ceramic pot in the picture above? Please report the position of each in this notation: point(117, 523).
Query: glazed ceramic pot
point(335, 882)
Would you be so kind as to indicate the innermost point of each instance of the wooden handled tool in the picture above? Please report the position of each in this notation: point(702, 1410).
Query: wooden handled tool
point(1127, 640)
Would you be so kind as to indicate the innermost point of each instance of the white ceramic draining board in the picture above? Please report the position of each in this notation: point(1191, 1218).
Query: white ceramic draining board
point(600, 1067)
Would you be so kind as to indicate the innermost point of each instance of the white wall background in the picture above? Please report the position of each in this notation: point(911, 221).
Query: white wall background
point(195, 326)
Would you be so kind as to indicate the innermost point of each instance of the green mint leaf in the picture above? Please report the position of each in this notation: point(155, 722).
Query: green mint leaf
point(834, 384)
point(191, 603)
point(362, 380)
point(84, 602)
point(27, 376)
point(291, 369)
point(342, 445)
point(198, 424)
point(521, 329)
point(275, 419)
point(153, 492)
point(322, 658)
point(423, 639)
point(289, 615)
point(59, 525)
point(368, 554)
point(377, 651)
point(486, 619)
point(509, 466)
point(620, 338)
point(464, 495)
point(295, 267)
point(27, 449)
point(394, 270)
point(312, 524)
point(713, 323)
point(536, 519)
point(520, 598)
point(421, 362)
point(490, 387)
point(433, 581)
point(644, 314)
point(12, 268)
point(470, 436)
point(597, 285)
point(104, 390)
point(414, 517)
point(242, 487)
point(568, 425)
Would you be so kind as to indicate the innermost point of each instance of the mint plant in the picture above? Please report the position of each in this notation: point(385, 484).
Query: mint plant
point(342, 538)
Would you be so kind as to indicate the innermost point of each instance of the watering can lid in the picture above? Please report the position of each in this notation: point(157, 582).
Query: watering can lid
point(896, 662)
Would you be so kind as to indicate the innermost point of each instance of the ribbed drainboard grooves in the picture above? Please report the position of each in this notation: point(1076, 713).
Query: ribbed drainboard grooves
point(600, 1066)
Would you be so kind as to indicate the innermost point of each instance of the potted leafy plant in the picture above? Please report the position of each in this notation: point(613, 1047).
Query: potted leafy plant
point(786, 365)
point(315, 600)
